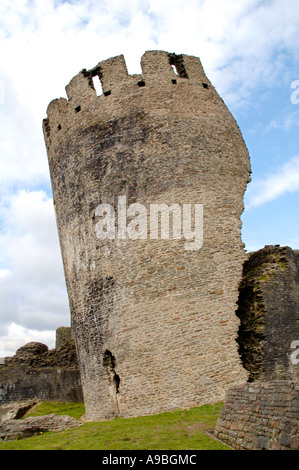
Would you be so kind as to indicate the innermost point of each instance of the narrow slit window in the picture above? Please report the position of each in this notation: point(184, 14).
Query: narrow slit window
point(177, 64)
point(174, 69)
point(77, 109)
point(97, 85)
point(59, 127)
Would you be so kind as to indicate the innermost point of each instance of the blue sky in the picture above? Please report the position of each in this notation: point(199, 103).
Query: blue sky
point(249, 50)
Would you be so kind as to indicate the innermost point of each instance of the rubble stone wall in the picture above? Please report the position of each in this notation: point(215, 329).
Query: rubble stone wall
point(268, 308)
point(36, 372)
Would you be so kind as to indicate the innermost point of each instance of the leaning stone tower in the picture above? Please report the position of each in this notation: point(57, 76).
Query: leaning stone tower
point(154, 322)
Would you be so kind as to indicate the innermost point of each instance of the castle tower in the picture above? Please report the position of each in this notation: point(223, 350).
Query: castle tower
point(153, 316)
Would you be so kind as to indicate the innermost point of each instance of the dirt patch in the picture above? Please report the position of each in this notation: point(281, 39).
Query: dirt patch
point(193, 428)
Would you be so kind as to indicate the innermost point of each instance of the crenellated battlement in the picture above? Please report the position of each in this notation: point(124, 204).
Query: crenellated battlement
point(159, 70)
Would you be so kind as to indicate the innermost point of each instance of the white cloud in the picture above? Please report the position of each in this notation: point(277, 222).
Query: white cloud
point(32, 285)
point(52, 41)
point(22, 150)
point(16, 336)
point(284, 123)
point(5, 273)
point(243, 46)
point(284, 180)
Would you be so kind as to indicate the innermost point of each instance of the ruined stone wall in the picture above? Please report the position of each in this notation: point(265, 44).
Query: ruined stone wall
point(154, 323)
point(36, 372)
point(268, 308)
point(264, 413)
point(261, 416)
point(64, 336)
point(47, 384)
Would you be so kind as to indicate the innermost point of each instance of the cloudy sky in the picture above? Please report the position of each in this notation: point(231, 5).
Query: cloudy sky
point(250, 52)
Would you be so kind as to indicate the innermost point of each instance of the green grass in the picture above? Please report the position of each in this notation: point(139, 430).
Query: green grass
point(75, 410)
point(177, 430)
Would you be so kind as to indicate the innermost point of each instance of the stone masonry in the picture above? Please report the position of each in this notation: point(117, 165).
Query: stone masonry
point(154, 323)
point(64, 337)
point(264, 413)
point(261, 416)
point(35, 372)
point(268, 308)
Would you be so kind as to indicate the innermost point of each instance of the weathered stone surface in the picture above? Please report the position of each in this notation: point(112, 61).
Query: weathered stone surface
point(268, 308)
point(15, 410)
point(18, 429)
point(261, 415)
point(30, 352)
point(154, 323)
point(35, 372)
point(38, 355)
point(64, 336)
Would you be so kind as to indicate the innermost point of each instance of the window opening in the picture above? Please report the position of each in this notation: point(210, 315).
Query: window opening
point(177, 64)
point(174, 69)
point(97, 85)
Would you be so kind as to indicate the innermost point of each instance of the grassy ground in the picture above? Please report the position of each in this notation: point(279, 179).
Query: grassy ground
point(177, 430)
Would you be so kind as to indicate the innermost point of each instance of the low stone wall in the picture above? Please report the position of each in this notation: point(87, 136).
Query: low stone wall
point(261, 416)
